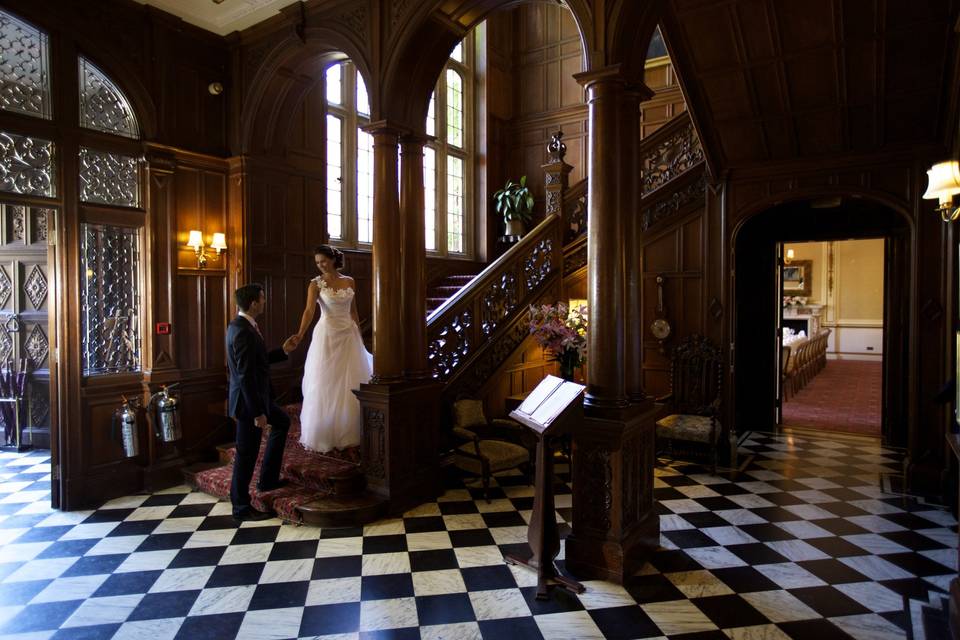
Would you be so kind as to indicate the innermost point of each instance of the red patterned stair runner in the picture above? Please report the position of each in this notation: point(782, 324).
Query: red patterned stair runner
point(308, 472)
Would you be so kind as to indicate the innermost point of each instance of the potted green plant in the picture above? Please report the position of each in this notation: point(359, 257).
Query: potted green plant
point(515, 203)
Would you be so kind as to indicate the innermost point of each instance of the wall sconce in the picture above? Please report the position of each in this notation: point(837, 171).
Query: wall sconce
point(787, 259)
point(195, 242)
point(943, 183)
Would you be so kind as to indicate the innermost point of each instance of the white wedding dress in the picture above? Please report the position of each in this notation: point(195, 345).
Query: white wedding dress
point(337, 363)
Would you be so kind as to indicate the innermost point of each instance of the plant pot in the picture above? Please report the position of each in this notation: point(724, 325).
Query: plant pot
point(515, 228)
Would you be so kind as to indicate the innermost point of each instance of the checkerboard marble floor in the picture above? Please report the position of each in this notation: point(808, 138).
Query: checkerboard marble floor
point(806, 543)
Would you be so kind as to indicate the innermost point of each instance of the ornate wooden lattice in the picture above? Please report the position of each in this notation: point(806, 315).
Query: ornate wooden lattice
point(672, 151)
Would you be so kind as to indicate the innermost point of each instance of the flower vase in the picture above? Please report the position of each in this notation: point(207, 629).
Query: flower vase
point(568, 362)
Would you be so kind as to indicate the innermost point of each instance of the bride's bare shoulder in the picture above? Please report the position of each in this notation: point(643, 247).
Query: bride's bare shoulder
point(347, 279)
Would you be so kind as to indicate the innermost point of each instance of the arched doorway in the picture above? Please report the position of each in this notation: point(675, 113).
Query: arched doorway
point(758, 304)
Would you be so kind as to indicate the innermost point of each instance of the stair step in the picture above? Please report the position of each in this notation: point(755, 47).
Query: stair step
point(311, 476)
point(336, 511)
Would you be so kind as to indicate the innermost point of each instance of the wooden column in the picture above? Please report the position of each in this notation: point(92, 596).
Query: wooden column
point(413, 248)
point(605, 242)
point(400, 416)
point(388, 330)
point(631, 174)
point(615, 525)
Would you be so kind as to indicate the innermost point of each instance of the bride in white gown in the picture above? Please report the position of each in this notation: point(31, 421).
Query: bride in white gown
point(337, 362)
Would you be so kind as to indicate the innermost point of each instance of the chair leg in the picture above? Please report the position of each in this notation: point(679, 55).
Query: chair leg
point(485, 479)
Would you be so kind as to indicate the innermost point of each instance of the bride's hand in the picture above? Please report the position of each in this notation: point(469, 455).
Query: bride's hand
point(291, 343)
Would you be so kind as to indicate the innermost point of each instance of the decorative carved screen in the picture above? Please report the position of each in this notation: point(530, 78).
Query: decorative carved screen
point(110, 299)
point(27, 165)
point(102, 105)
point(109, 178)
point(25, 301)
point(24, 68)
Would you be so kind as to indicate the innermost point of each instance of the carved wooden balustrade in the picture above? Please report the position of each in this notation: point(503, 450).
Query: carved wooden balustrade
point(473, 332)
point(673, 170)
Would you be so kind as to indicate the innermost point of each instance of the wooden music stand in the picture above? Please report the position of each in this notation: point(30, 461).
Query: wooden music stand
point(552, 409)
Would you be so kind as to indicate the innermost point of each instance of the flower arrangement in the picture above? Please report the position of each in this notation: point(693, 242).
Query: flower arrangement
point(562, 332)
point(789, 301)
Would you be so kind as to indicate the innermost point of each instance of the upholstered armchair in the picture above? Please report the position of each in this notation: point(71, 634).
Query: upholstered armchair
point(487, 447)
point(692, 425)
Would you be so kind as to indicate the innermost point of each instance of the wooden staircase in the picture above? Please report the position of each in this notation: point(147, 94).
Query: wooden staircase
point(445, 289)
point(324, 490)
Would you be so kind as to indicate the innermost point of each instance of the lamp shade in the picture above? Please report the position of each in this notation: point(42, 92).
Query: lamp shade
point(219, 242)
point(943, 181)
point(790, 254)
point(196, 240)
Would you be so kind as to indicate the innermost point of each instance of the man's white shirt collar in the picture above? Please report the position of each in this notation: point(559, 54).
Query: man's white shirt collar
point(249, 318)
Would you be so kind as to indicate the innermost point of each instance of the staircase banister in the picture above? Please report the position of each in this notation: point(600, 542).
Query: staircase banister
point(665, 132)
point(489, 274)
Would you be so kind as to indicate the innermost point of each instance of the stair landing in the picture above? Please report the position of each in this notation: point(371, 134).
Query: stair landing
point(325, 490)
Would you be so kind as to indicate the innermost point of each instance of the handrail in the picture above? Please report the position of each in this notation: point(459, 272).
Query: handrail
point(470, 320)
point(474, 318)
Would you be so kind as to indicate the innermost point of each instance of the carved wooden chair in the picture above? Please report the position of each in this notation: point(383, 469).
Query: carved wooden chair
point(487, 446)
point(693, 425)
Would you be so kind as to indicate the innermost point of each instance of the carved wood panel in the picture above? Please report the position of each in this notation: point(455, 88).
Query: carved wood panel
point(25, 282)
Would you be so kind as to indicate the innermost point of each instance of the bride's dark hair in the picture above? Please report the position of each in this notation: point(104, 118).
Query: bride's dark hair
point(331, 252)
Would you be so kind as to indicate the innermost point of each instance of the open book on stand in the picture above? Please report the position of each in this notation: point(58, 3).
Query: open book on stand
point(546, 402)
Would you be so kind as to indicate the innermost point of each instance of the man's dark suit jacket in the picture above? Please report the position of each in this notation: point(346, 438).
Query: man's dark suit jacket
point(249, 362)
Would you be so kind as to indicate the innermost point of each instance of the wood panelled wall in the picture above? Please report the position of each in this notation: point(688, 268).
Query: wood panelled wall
point(534, 52)
point(164, 67)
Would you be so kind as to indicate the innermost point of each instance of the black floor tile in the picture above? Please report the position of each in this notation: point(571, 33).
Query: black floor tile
point(653, 588)
point(394, 585)
point(211, 523)
point(121, 584)
point(756, 553)
point(299, 550)
point(200, 557)
point(504, 519)
point(918, 565)
point(95, 632)
point(689, 538)
point(173, 604)
point(41, 534)
point(433, 560)
point(280, 595)
point(232, 575)
point(444, 609)
point(829, 602)
point(255, 535)
point(68, 548)
point(164, 541)
point(214, 627)
point(513, 628)
point(745, 579)
point(423, 525)
point(40, 617)
point(624, 623)
point(673, 560)
point(94, 565)
point(329, 619)
point(458, 507)
point(487, 578)
point(164, 499)
point(835, 547)
point(17, 593)
point(766, 532)
point(832, 571)
point(560, 601)
point(134, 528)
point(341, 567)
point(192, 510)
point(704, 519)
point(384, 544)
point(839, 526)
point(471, 538)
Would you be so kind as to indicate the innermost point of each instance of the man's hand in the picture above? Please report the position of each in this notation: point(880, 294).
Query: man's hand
point(291, 343)
point(260, 421)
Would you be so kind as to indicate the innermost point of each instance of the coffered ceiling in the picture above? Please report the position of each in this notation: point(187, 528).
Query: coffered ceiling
point(221, 17)
point(771, 80)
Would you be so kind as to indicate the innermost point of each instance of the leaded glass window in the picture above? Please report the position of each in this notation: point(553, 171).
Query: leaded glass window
point(364, 187)
point(110, 299)
point(334, 177)
point(27, 165)
point(447, 162)
point(102, 105)
point(24, 68)
point(349, 156)
point(109, 178)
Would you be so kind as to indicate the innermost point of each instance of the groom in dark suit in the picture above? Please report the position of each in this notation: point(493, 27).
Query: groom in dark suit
point(251, 403)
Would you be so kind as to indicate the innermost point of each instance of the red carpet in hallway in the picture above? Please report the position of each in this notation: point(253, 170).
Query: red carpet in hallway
point(844, 397)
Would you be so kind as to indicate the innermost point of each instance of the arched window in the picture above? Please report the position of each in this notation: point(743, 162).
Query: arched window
point(349, 157)
point(105, 140)
point(448, 157)
point(447, 162)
